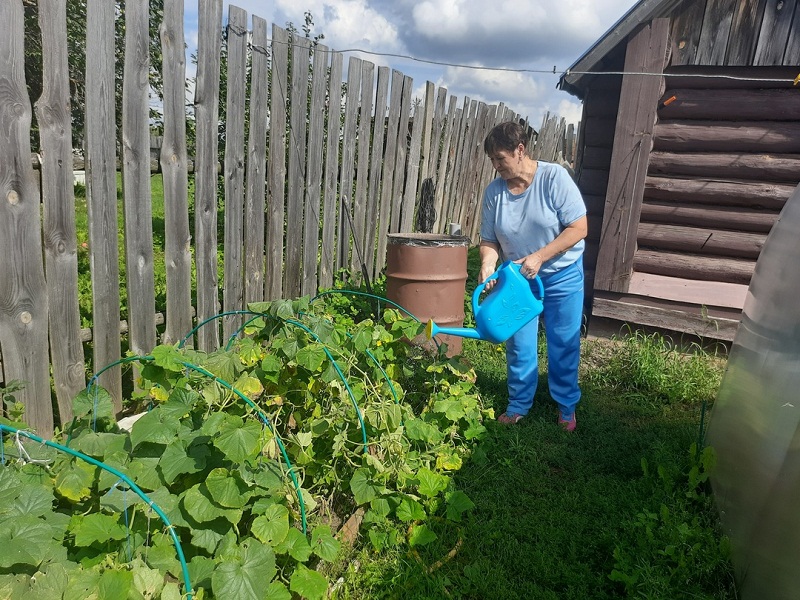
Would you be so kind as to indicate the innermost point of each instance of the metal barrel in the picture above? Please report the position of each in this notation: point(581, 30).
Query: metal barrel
point(426, 273)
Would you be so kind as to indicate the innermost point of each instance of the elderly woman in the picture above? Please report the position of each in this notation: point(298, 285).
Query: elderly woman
point(533, 214)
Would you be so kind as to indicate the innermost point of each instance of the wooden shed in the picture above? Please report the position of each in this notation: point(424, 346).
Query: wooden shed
point(689, 148)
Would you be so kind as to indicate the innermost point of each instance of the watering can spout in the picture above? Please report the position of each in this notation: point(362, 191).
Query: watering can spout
point(511, 305)
point(433, 329)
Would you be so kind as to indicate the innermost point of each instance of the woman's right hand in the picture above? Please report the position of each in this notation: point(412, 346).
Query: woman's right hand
point(485, 271)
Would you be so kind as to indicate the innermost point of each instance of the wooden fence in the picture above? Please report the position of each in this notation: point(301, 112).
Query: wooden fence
point(307, 160)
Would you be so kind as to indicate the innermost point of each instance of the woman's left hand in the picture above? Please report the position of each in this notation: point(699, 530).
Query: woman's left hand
point(530, 265)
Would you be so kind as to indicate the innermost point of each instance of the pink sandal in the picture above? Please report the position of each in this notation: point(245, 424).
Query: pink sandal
point(509, 418)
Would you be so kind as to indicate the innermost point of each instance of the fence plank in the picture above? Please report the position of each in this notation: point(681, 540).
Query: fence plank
point(300, 55)
point(137, 196)
point(483, 171)
point(442, 177)
point(58, 209)
point(468, 134)
point(256, 166)
point(412, 172)
point(426, 161)
point(102, 193)
point(387, 180)
point(329, 223)
point(401, 154)
point(276, 171)
point(437, 126)
point(471, 172)
point(348, 155)
point(233, 283)
point(23, 295)
point(174, 166)
point(316, 143)
point(362, 165)
point(373, 199)
point(206, 112)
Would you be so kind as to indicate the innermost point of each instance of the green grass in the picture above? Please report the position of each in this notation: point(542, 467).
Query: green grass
point(619, 509)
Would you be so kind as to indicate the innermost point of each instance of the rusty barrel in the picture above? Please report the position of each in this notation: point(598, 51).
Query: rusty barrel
point(426, 273)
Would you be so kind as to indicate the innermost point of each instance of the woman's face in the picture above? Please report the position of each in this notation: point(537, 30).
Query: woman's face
point(507, 162)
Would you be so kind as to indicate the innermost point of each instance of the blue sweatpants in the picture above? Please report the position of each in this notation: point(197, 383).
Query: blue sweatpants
point(563, 314)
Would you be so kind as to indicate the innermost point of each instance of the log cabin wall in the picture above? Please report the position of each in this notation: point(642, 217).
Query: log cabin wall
point(680, 237)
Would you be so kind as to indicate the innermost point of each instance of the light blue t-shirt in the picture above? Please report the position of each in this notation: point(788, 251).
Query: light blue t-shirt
point(523, 223)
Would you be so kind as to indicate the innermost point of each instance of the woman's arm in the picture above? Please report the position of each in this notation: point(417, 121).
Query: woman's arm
point(490, 254)
point(572, 234)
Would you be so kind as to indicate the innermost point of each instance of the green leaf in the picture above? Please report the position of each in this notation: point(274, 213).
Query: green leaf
point(97, 527)
point(475, 431)
point(311, 357)
point(272, 365)
point(180, 402)
point(173, 592)
point(227, 488)
point(198, 503)
point(270, 476)
point(410, 510)
point(82, 584)
point(453, 408)
point(33, 500)
point(421, 535)
point(282, 309)
point(309, 584)
point(277, 591)
point(9, 488)
point(115, 585)
point(430, 483)
point(157, 427)
point(144, 473)
point(75, 481)
point(239, 441)
point(168, 358)
point(362, 339)
point(201, 568)
point(323, 544)
point(175, 460)
point(422, 431)
point(224, 365)
point(272, 527)
point(457, 504)
point(99, 445)
point(362, 487)
point(15, 586)
point(96, 403)
point(207, 539)
point(161, 556)
point(295, 545)
point(289, 348)
point(248, 576)
point(147, 582)
point(50, 583)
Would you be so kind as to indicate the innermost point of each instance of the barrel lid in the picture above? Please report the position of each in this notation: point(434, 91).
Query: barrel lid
point(428, 239)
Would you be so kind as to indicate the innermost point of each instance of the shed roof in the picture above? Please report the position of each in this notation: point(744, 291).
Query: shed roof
point(641, 12)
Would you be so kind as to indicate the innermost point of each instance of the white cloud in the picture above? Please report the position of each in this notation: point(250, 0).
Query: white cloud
point(528, 35)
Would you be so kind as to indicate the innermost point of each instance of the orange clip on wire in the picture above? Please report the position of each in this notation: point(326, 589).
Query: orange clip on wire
point(672, 99)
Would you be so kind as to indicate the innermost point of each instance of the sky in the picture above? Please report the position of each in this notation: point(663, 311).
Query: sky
point(518, 42)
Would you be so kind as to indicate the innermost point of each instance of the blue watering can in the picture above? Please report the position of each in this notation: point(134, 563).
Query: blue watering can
point(510, 306)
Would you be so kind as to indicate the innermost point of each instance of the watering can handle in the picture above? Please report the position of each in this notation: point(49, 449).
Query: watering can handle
point(479, 289)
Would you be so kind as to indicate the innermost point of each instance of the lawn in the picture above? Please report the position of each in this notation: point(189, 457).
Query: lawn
point(619, 508)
